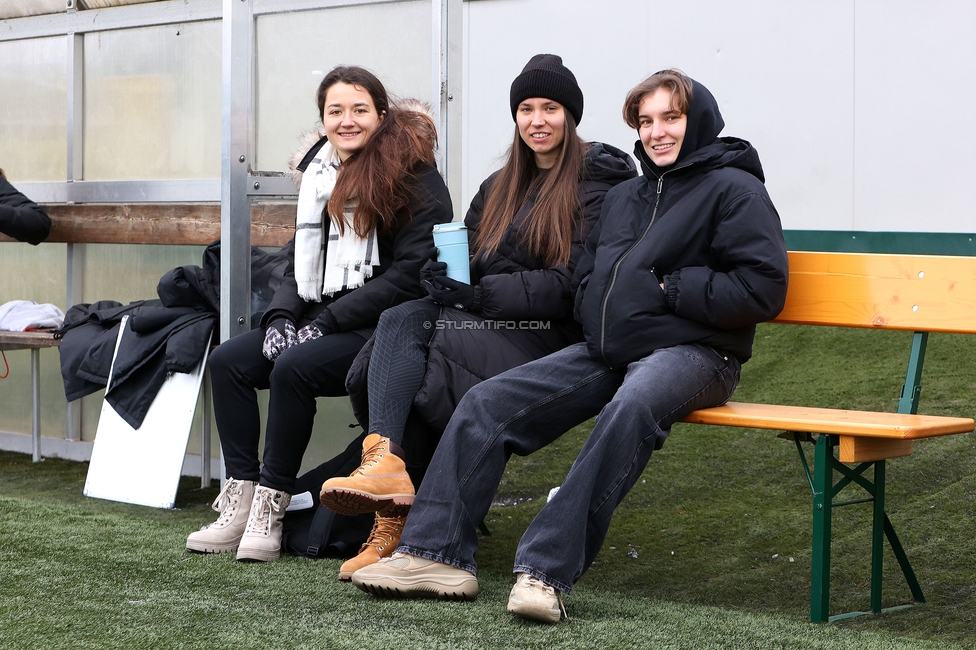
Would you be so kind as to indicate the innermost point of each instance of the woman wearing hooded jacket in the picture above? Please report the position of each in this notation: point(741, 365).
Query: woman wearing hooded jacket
point(369, 198)
point(526, 229)
point(683, 264)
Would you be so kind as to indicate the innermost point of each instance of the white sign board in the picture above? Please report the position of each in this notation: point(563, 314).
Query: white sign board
point(143, 465)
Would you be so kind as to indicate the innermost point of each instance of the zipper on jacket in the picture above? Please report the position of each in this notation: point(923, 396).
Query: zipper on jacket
point(616, 268)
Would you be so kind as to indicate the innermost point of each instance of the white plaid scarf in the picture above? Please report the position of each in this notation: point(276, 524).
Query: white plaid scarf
point(343, 261)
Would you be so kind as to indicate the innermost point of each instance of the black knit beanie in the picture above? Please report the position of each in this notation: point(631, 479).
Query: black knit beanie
point(546, 76)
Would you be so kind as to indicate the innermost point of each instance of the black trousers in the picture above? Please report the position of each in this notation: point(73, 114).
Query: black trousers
point(238, 369)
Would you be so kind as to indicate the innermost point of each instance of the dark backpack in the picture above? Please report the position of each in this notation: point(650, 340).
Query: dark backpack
point(317, 531)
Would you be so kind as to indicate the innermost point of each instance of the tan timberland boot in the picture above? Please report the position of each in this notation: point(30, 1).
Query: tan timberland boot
point(234, 505)
point(382, 540)
point(262, 536)
point(381, 484)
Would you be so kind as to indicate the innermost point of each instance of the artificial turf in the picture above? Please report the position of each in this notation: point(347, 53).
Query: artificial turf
point(710, 550)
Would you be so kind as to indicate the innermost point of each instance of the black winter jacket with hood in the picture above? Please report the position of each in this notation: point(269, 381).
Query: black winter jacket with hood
point(706, 228)
point(403, 250)
point(515, 286)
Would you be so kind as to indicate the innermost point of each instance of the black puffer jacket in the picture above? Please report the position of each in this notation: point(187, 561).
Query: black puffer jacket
point(707, 229)
point(530, 304)
point(20, 217)
point(403, 250)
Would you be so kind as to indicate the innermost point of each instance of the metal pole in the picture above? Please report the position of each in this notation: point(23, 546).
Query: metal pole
point(205, 430)
point(36, 401)
point(76, 159)
point(235, 216)
point(446, 45)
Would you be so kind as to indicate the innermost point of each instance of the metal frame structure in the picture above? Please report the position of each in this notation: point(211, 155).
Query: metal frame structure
point(825, 490)
point(238, 184)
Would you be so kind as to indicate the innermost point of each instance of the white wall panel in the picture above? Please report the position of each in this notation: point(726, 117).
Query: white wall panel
point(818, 87)
point(915, 97)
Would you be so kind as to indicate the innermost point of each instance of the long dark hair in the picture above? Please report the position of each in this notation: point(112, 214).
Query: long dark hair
point(374, 175)
point(548, 228)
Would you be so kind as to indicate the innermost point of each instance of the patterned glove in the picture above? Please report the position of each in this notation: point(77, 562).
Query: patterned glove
point(309, 333)
point(279, 336)
point(324, 325)
point(450, 292)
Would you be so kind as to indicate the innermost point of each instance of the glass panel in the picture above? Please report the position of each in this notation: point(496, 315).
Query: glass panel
point(391, 40)
point(112, 272)
point(152, 102)
point(34, 109)
point(32, 273)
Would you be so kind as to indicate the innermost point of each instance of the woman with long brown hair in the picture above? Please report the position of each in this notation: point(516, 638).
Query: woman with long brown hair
point(526, 228)
point(369, 198)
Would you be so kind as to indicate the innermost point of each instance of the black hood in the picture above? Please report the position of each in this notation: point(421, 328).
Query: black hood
point(704, 125)
point(605, 163)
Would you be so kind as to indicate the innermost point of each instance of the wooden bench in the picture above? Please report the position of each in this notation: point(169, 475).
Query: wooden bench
point(192, 224)
point(918, 293)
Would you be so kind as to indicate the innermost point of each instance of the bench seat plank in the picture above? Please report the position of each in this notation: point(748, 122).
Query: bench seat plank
point(898, 426)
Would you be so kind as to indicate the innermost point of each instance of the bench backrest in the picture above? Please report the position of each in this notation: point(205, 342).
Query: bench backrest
point(272, 223)
point(922, 293)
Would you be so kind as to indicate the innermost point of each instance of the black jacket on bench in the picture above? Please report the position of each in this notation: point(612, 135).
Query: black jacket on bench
point(706, 227)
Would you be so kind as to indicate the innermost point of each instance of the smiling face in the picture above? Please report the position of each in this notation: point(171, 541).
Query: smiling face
point(349, 118)
point(661, 128)
point(542, 126)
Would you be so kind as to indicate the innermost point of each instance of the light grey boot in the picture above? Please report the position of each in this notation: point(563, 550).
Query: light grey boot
point(234, 505)
point(262, 536)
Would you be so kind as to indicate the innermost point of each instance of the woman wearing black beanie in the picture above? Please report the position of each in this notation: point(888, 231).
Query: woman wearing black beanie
point(526, 227)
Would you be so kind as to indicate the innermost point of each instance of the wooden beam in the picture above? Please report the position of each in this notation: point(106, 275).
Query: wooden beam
point(272, 224)
point(860, 450)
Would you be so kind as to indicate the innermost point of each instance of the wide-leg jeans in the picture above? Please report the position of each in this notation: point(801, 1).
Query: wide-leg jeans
point(528, 407)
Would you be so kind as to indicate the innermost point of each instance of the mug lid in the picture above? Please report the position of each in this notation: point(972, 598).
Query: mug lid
point(449, 226)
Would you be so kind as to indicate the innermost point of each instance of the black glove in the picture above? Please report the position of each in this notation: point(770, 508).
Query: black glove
point(450, 292)
point(279, 336)
point(432, 268)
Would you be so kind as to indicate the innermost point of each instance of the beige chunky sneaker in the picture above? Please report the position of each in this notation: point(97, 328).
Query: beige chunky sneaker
point(379, 484)
point(532, 598)
point(406, 576)
point(234, 505)
point(382, 540)
point(262, 536)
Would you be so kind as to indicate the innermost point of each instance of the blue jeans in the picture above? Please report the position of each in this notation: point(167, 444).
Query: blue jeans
point(526, 408)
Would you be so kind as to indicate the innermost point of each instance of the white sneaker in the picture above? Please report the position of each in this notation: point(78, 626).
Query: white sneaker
point(406, 576)
point(532, 598)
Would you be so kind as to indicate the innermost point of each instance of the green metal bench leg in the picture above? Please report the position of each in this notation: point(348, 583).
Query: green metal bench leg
point(822, 501)
point(906, 566)
point(877, 536)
